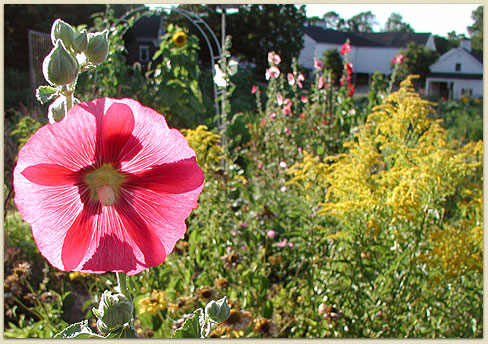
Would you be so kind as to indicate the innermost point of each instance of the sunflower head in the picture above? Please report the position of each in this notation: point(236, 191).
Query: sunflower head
point(179, 39)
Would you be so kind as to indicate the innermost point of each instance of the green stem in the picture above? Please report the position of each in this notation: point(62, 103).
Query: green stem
point(69, 101)
point(122, 283)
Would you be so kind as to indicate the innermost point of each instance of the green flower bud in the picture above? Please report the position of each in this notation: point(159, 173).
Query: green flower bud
point(80, 42)
point(59, 67)
point(218, 311)
point(57, 110)
point(63, 31)
point(97, 49)
point(113, 312)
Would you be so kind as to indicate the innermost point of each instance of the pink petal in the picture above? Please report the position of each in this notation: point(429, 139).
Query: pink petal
point(175, 178)
point(116, 130)
point(50, 175)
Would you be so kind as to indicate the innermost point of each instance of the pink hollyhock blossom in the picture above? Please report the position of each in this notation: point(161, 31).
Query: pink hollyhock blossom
point(271, 234)
point(283, 188)
point(272, 72)
point(345, 49)
point(317, 63)
point(253, 89)
point(321, 82)
point(283, 164)
point(272, 115)
point(108, 188)
point(398, 59)
point(349, 68)
point(291, 79)
point(300, 78)
point(304, 99)
point(279, 98)
point(287, 131)
point(287, 108)
point(274, 58)
point(284, 242)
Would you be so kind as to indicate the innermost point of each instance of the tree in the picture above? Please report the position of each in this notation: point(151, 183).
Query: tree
point(443, 44)
point(333, 63)
point(362, 22)
point(476, 30)
point(418, 59)
point(395, 23)
point(259, 29)
point(20, 18)
point(334, 21)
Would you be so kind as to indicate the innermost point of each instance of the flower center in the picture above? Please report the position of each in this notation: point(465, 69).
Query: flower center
point(104, 184)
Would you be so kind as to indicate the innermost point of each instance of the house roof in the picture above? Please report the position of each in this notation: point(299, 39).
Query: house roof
point(147, 27)
point(456, 76)
point(476, 55)
point(371, 39)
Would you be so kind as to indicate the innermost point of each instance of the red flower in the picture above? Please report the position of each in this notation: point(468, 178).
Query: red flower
point(253, 89)
point(345, 49)
point(349, 68)
point(351, 90)
point(108, 188)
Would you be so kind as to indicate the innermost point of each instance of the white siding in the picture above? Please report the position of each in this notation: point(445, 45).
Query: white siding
point(447, 63)
point(372, 59)
point(307, 53)
point(458, 85)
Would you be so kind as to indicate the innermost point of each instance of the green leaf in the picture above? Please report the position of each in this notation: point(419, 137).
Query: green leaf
point(46, 93)
point(78, 330)
point(191, 327)
point(125, 332)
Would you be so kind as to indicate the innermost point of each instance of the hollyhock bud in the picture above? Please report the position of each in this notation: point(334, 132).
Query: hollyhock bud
point(113, 311)
point(218, 311)
point(63, 31)
point(97, 49)
point(80, 42)
point(59, 67)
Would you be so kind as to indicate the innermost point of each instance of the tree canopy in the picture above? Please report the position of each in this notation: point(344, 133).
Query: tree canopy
point(395, 23)
point(476, 30)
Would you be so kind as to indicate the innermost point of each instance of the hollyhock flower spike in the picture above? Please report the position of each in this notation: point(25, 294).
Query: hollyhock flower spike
point(291, 79)
point(300, 78)
point(398, 59)
point(274, 58)
point(272, 72)
point(317, 63)
point(108, 188)
point(345, 49)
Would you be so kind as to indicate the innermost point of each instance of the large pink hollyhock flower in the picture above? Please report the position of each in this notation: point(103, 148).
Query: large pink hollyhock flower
point(108, 188)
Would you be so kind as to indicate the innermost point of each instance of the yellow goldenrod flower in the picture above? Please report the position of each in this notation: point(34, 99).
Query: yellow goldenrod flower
point(153, 304)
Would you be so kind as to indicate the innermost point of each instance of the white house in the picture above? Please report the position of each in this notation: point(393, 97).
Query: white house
point(456, 73)
point(370, 51)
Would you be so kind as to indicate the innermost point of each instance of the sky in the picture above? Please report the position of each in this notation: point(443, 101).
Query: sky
point(438, 19)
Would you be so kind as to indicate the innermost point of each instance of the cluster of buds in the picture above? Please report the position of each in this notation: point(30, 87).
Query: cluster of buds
point(74, 51)
point(114, 312)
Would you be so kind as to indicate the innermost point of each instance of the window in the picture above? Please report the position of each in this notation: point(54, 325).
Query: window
point(458, 67)
point(143, 53)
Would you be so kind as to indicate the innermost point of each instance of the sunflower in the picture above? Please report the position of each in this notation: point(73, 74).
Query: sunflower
point(179, 39)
